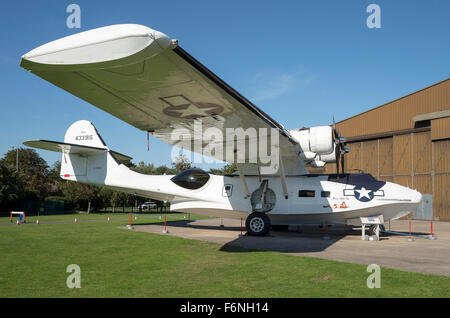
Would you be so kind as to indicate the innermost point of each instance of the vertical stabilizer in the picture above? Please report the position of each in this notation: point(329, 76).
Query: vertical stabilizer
point(90, 168)
point(84, 133)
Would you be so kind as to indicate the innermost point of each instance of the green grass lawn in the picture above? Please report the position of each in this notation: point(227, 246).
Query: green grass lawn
point(116, 262)
point(100, 216)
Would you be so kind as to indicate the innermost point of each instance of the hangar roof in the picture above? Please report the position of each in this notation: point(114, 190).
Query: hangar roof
point(398, 115)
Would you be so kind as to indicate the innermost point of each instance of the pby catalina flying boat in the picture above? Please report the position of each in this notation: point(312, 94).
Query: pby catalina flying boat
point(146, 79)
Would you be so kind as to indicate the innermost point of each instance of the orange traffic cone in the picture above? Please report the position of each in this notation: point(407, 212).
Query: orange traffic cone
point(76, 220)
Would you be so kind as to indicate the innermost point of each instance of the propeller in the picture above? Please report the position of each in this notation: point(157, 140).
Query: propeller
point(340, 150)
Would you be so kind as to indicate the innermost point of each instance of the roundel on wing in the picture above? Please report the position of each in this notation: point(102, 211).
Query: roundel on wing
point(181, 107)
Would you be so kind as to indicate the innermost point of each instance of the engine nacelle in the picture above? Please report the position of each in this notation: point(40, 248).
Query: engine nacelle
point(314, 140)
point(329, 158)
point(320, 161)
point(317, 164)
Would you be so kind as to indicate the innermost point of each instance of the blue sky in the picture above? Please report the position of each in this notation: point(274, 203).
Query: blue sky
point(300, 61)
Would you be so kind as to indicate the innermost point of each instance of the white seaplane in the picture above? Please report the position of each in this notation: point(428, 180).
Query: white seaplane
point(146, 79)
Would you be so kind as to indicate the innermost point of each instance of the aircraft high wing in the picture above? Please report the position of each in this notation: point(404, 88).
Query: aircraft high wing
point(146, 79)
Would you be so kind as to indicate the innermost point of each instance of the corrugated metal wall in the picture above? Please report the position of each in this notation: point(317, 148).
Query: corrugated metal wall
point(398, 114)
point(418, 158)
point(440, 128)
point(441, 184)
point(412, 160)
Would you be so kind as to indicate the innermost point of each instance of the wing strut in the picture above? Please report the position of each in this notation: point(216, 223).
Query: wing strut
point(283, 179)
point(244, 183)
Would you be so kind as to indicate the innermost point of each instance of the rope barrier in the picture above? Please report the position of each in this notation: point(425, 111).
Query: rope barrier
point(168, 217)
point(406, 234)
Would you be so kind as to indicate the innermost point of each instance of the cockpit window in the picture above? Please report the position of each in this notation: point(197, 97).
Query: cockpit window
point(191, 179)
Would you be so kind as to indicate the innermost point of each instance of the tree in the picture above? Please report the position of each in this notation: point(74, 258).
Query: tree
point(227, 169)
point(32, 169)
point(112, 198)
point(54, 173)
point(119, 198)
point(11, 187)
point(129, 164)
point(144, 168)
point(80, 195)
point(181, 163)
point(54, 180)
point(164, 170)
point(104, 196)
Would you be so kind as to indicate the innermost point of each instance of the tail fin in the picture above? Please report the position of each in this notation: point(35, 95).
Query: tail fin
point(85, 156)
point(83, 133)
point(74, 165)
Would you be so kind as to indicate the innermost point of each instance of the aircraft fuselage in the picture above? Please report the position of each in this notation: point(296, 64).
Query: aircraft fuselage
point(310, 198)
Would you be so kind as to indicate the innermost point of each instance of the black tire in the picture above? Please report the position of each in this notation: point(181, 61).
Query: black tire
point(257, 224)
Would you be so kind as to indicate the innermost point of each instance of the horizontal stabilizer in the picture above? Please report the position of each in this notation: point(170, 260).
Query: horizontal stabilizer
point(73, 149)
point(120, 157)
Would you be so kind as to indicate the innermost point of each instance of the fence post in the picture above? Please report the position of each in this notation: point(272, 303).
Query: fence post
point(165, 221)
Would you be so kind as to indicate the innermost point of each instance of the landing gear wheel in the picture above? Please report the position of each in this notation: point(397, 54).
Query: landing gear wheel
point(257, 224)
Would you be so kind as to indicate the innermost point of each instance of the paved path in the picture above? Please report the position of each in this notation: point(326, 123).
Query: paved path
point(422, 255)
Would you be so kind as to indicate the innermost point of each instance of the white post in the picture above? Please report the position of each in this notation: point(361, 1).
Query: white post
point(242, 177)
point(283, 179)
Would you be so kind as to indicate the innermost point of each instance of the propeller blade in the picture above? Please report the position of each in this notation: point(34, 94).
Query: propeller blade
point(338, 159)
point(340, 149)
point(335, 134)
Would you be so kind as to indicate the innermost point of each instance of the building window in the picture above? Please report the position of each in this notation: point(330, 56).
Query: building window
point(325, 194)
point(422, 123)
point(306, 193)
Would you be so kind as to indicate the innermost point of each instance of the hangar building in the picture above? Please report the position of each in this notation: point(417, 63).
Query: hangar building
point(406, 141)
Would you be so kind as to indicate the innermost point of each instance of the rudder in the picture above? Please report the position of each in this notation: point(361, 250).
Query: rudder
point(84, 133)
point(75, 166)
